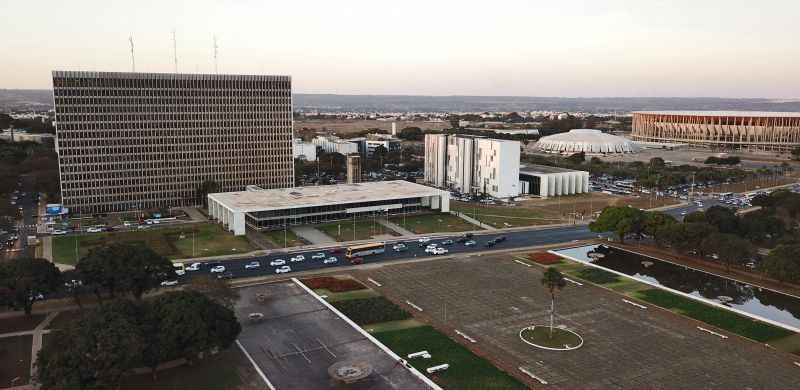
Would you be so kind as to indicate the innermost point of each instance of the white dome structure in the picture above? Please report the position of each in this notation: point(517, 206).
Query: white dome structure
point(587, 141)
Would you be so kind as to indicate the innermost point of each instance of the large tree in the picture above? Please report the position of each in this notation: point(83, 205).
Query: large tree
point(554, 281)
point(124, 268)
point(655, 222)
point(219, 290)
point(620, 220)
point(783, 263)
point(729, 248)
point(96, 351)
point(23, 279)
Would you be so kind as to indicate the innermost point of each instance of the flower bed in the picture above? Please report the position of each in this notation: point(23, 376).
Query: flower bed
point(333, 284)
point(544, 258)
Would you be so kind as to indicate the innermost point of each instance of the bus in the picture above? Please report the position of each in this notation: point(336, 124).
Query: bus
point(366, 250)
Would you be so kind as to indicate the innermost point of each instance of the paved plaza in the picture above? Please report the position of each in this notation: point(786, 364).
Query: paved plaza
point(490, 298)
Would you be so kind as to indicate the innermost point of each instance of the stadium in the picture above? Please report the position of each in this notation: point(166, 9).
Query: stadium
point(750, 130)
point(585, 140)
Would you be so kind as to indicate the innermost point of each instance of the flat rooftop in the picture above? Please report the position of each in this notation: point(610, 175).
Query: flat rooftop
point(295, 197)
point(746, 114)
point(540, 169)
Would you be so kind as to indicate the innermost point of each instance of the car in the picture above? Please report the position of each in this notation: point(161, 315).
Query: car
point(424, 240)
point(297, 258)
point(400, 247)
point(217, 269)
point(683, 213)
point(194, 267)
point(448, 242)
point(282, 270)
point(500, 239)
point(469, 243)
point(94, 230)
point(440, 251)
point(489, 244)
point(356, 260)
point(318, 256)
point(277, 262)
point(59, 232)
point(225, 275)
point(330, 260)
point(465, 237)
point(252, 265)
point(142, 227)
point(169, 283)
point(336, 250)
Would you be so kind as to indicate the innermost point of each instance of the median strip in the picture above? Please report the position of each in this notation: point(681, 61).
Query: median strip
point(523, 263)
point(532, 375)
point(634, 304)
point(413, 305)
point(374, 282)
point(720, 335)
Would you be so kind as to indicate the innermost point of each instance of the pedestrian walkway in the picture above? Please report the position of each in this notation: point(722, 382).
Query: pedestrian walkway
point(47, 248)
point(194, 214)
point(314, 236)
point(393, 226)
point(38, 335)
point(473, 220)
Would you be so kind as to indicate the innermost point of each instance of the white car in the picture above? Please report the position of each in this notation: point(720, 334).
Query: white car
point(194, 267)
point(169, 283)
point(59, 232)
point(423, 240)
point(318, 256)
point(277, 262)
point(297, 258)
point(439, 251)
point(399, 247)
point(330, 260)
point(283, 270)
point(94, 230)
point(252, 265)
point(218, 269)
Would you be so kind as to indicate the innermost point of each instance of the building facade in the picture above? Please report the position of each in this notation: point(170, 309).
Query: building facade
point(546, 181)
point(353, 168)
point(304, 150)
point(768, 131)
point(473, 165)
point(333, 144)
point(135, 141)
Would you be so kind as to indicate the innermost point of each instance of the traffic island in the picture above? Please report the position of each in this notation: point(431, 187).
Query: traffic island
point(560, 339)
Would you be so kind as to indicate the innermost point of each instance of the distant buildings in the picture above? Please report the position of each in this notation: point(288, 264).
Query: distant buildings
point(131, 141)
point(333, 144)
point(364, 146)
point(545, 181)
point(304, 150)
point(473, 165)
point(353, 168)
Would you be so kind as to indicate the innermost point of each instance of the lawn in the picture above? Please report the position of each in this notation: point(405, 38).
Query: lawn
point(364, 229)
point(371, 310)
point(179, 242)
point(15, 360)
point(227, 370)
point(720, 318)
point(467, 371)
point(504, 216)
point(276, 237)
point(597, 276)
point(432, 223)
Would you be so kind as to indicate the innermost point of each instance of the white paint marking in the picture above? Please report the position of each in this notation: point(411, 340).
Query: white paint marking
point(573, 282)
point(414, 306)
point(258, 369)
point(523, 263)
point(464, 335)
point(720, 335)
point(797, 364)
point(374, 282)
point(532, 375)
point(634, 304)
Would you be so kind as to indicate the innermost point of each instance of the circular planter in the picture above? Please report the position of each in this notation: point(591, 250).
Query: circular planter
point(528, 336)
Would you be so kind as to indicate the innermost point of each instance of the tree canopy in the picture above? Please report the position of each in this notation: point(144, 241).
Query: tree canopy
point(620, 220)
point(23, 279)
point(124, 268)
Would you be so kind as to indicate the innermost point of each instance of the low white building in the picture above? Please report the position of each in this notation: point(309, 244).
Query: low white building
point(265, 209)
point(304, 150)
point(545, 181)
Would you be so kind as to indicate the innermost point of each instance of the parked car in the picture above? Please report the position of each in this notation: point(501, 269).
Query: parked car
point(252, 265)
point(217, 269)
point(318, 256)
point(330, 260)
point(169, 283)
point(297, 258)
point(282, 270)
point(400, 247)
point(194, 267)
point(277, 262)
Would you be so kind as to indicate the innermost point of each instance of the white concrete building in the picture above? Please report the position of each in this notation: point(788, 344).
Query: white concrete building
point(545, 181)
point(263, 209)
point(473, 165)
point(304, 150)
point(333, 144)
point(585, 140)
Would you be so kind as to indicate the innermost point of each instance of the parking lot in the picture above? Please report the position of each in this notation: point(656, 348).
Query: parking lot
point(298, 339)
point(491, 298)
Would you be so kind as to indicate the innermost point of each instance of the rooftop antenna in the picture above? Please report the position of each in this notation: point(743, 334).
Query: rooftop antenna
point(133, 58)
point(216, 52)
point(175, 50)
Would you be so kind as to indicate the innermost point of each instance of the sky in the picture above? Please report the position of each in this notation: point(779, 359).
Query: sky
point(570, 48)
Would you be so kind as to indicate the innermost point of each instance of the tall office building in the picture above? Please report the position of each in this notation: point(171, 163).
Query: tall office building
point(473, 165)
point(135, 141)
point(353, 168)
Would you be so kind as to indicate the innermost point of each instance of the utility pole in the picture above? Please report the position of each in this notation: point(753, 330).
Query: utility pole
point(216, 52)
point(133, 58)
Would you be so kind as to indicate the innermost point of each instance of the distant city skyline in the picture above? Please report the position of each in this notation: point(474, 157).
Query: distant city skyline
point(573, 48)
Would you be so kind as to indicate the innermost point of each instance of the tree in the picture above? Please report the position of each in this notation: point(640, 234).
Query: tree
point(23, 279)
point(126, 268)
point(412, 133)
point(95, 352)
point(729, 248)
point(654, 222)
point(380, 153)
point(217, 289)
point(723, 218)
point(577, 158)
point(657, 163)
point(783, 263)
point(208, 186)
point(620, 220)
point(554, 281)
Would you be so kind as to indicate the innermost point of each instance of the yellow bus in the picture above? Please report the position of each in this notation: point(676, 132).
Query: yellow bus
point(366, 250)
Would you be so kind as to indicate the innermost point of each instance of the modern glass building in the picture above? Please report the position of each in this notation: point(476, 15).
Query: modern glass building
point(137, 141)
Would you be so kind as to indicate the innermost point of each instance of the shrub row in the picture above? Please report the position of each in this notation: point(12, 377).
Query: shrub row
point(371, 310)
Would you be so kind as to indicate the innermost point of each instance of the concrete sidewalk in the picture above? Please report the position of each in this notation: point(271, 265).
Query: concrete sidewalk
point(393, 226)
point(473, 220)
point(312, 235)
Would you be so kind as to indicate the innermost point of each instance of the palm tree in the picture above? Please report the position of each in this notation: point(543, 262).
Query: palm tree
point(554, 281)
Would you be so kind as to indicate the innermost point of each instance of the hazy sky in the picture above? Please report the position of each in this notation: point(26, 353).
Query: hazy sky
point(727, 48)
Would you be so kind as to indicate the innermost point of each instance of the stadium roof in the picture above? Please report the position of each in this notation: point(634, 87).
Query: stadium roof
point(587, 141)
point(725, 113)
point(257, 199)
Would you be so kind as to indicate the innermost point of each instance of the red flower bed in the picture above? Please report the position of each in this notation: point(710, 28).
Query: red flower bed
point(545, 258)
point(333, 284)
